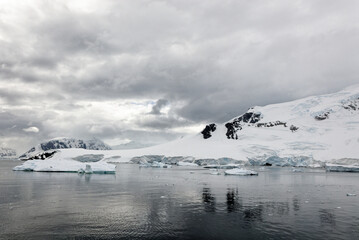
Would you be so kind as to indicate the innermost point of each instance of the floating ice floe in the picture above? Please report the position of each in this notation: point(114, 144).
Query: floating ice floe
point(351, 194)
point(297, 170)
point(341, 168)
point(155, 165)
point(214, 172)
point(240, 172)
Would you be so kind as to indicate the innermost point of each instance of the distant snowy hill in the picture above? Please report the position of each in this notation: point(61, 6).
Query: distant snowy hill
point(130, 145)
point(63, 143)
point(7, 153)
point(306, 132)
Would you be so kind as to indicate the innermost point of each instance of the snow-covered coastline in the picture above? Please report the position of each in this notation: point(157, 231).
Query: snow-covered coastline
point(310, 132)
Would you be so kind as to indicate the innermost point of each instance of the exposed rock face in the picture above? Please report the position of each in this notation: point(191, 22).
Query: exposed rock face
point(40, 156)
point(272, 124)
point(293, 128)
point(208, 130)
point(248, 117)
point(352, 105)
point(322, 116)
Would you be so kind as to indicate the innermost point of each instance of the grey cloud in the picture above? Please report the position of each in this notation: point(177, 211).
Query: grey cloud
point(162, 123)
point(156, 109)
point(211, 60)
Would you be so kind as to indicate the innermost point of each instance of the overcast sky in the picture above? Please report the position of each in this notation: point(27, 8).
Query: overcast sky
point(152, 71)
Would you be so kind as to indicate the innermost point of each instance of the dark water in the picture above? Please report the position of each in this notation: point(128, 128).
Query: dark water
point(175, 204)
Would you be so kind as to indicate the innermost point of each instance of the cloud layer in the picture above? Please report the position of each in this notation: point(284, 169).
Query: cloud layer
point(98, 68)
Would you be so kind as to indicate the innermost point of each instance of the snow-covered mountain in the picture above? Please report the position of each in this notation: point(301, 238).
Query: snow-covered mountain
point(63, 143)
point(306, 132)
point(7, 153)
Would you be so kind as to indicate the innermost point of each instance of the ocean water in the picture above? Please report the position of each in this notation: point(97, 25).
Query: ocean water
point(178, 203)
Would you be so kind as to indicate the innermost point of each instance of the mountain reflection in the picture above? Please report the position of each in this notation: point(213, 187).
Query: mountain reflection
point(327, 217)
point(296, 205)
point(208, 200)
point(233, 204)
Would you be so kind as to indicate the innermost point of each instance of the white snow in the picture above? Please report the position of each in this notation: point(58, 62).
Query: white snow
point(334, 140)
point(240, 172)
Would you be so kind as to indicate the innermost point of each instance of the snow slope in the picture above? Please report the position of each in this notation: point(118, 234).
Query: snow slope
point(306, 132)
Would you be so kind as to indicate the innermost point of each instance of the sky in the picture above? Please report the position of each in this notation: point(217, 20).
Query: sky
point(151, 71)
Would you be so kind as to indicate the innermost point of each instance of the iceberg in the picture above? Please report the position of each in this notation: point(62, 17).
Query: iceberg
point(240, 172)
point(60, 163)
point(351, 194)
point(341, 168)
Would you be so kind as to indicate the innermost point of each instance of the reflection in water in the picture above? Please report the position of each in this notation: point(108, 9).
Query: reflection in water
point(253, 213)
point(232, 200)
point(208, 200)
point(296, 204)
point(277, 208)
point(138, 205)
point(327, 217)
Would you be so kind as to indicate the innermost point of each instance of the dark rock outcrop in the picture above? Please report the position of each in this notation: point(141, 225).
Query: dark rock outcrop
point(322, 116)
point(352, 105)
point(271, 124)
point(236, 125)
point(293, 128)
point(208, 130)
point(40, 156)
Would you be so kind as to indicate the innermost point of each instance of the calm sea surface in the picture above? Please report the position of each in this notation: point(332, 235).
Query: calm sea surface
point(178, 203)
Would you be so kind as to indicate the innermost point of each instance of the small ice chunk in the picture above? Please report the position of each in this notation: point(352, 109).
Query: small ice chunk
point(240, 172)
point(88, 169)
point(297, 170)
point(351, 194)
